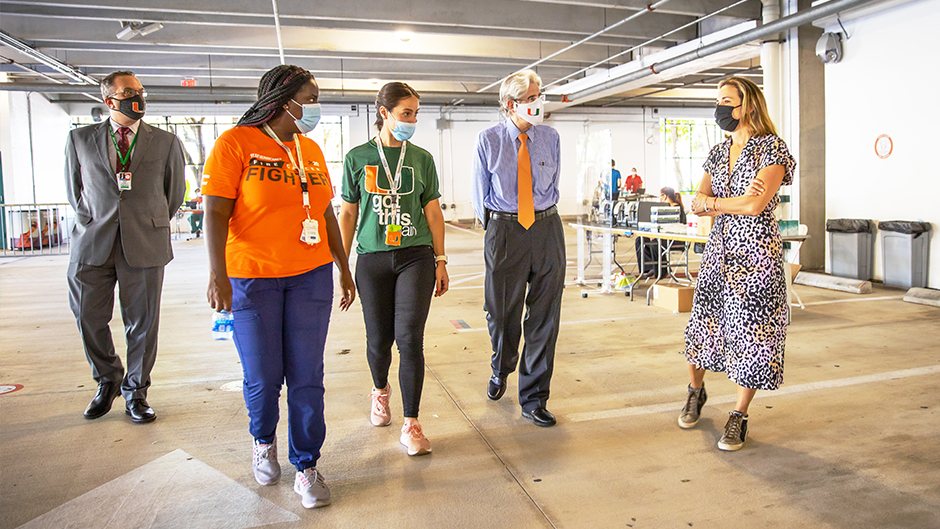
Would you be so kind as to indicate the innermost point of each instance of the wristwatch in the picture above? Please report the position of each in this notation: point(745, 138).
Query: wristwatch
point(439, 258)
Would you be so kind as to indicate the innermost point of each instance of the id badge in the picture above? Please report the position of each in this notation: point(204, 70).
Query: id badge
point(124, 181)
point(311, 232)
point(393, 235)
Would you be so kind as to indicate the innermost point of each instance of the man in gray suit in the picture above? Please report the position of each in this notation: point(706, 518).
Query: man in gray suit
point(125, 181)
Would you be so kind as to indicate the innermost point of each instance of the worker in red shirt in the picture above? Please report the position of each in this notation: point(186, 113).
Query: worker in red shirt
point(632, 182)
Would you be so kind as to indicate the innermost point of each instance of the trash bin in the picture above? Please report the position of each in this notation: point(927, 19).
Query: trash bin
point(850, 248)
point(904, 249)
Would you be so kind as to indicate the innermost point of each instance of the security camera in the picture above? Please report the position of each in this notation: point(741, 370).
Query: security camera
point(829, 48)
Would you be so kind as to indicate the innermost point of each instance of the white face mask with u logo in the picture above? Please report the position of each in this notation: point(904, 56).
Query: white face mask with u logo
point(531, 112)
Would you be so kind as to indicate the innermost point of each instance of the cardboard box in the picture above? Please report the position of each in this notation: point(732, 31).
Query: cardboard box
point(673, 296)
point(705, 225)
point(793, 269)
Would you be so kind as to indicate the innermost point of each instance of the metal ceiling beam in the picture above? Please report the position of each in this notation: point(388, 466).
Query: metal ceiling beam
point(767, 30)
point(57, 65)
point(496, 18)
point(695, 8)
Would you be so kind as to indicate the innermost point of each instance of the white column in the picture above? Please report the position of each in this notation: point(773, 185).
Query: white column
point(770, 63)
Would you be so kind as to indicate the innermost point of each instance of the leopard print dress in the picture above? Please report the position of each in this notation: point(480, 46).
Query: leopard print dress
point(739, 312)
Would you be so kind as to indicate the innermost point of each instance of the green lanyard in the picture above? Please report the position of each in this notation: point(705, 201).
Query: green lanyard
point(117, 149)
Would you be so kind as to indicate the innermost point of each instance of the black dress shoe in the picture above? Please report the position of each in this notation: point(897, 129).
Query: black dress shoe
point(496, 387)
point(540, 416)
point(140, 411)
point(101, 404)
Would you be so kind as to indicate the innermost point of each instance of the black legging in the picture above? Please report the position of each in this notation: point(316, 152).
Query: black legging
point(395, 290)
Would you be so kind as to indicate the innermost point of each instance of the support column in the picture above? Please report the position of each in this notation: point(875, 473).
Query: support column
point(812, 145)
point(770, 64)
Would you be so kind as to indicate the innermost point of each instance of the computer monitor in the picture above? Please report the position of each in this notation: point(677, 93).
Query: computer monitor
point(641, 191)
point(643, 209)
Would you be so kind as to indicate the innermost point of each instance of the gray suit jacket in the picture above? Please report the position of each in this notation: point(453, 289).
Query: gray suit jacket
point(143, 213)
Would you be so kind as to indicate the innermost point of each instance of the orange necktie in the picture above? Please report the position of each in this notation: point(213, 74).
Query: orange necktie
point(524, 177)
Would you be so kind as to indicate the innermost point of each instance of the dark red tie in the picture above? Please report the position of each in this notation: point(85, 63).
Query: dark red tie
point(124, 146)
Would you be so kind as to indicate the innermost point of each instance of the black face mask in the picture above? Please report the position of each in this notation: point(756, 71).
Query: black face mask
point(132, 107)
point(724, 119)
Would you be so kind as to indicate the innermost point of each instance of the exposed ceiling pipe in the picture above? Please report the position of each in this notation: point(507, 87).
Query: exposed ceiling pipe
point(649, 8)
point(277, 27)
point(48, 60)
point(45, 76)
point(648, 42)
point(246, 93)
point(781, 24)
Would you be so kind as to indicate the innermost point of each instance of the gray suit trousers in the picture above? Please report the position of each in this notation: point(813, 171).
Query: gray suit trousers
point(91, 297)
point(525, 269)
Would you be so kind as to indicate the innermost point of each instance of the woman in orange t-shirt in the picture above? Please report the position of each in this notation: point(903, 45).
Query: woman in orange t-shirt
point(272, 236)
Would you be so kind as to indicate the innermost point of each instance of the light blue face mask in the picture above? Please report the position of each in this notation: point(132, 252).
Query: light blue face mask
point(404, 131)
point(311, 116)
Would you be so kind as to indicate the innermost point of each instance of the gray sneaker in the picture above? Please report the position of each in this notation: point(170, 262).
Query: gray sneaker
point(264, 463)
point(735, 432)
point(693, 407)
point(312, 489)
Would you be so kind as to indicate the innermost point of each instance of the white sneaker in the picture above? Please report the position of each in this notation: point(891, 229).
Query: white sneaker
point(413, 438)
point(264, 463)
point(312, 489)
point(381, 413)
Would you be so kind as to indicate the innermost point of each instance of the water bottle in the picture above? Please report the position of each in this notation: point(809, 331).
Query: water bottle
point(223, 325)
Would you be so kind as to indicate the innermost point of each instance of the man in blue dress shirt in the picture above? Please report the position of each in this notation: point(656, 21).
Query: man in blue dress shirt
point(516, 171)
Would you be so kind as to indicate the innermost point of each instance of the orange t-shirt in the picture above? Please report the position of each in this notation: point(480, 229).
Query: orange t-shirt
point(264, 231)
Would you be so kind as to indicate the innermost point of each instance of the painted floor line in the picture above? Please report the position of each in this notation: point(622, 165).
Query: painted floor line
point(786, 390)
point(852, 300)
point(468, 279)
point(597, 320)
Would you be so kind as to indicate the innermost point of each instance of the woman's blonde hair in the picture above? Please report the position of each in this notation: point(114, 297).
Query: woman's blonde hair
point(753, 106)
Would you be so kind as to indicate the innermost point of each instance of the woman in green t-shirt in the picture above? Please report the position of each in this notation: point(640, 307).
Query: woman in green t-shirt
point(391, 189)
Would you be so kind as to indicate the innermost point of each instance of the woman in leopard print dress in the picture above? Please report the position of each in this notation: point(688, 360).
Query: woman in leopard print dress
point(740, 312)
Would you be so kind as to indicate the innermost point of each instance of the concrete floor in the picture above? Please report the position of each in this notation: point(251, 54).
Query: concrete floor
point(852, 440)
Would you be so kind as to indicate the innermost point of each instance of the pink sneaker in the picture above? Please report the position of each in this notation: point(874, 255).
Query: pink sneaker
point(381, 415)
point(414, 439)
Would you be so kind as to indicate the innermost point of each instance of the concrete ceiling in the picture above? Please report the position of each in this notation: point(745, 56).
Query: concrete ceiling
point(456, 50)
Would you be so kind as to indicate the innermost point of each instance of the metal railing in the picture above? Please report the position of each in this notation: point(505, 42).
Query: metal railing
point(35, 229)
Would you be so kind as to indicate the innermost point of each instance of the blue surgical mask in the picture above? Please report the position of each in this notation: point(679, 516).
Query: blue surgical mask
point(308, 121)
point(404, 131)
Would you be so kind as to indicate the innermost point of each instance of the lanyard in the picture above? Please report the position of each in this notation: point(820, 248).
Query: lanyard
point(127, 157)
point(394, 183)
point(300, 167)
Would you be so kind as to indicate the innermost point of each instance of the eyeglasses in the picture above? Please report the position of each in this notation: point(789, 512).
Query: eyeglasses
point(130, 92)
point(531, 99)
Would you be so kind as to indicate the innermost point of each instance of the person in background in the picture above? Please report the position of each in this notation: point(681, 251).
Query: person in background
point(195, 219)
point(516, 169)
point(632, 182)
point(125, 180)
point(614, 181)
point(667, 195)
point(390, 188)
point(739, 311)
point(272, 240)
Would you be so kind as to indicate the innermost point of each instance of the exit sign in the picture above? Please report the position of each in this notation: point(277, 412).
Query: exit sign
point(189, 82)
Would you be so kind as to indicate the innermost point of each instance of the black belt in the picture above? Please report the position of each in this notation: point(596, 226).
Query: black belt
point(539, 215)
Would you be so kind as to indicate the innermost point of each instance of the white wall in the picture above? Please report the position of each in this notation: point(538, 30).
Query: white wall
point(50, 124)
point(885, 85)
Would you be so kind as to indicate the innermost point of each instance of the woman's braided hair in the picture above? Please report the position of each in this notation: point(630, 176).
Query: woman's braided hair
point(278, 85)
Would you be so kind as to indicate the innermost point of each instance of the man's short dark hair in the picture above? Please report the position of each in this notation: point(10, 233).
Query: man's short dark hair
point(107, 84)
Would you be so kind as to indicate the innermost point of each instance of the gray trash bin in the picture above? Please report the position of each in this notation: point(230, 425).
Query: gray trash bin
point(850, 248)
point(905, 246)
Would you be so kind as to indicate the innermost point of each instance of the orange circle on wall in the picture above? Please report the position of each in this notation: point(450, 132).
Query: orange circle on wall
point(884, 146)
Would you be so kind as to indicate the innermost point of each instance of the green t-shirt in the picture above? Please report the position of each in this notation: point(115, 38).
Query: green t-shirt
point(365, 183)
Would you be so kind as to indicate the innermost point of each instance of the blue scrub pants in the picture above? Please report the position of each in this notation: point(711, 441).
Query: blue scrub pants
point(280, 333)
